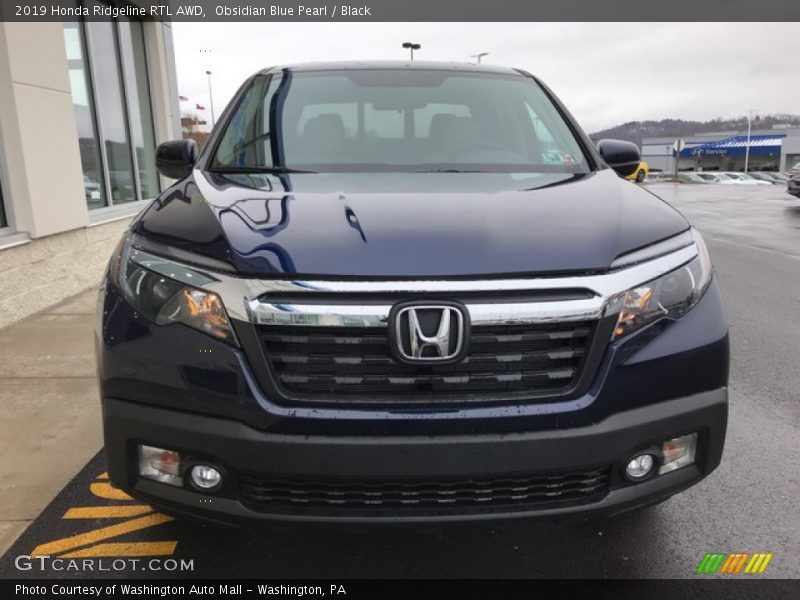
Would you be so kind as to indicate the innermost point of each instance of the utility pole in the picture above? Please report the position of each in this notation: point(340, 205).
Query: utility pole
point(679, 145)
point(747, 148)
point(478, 56)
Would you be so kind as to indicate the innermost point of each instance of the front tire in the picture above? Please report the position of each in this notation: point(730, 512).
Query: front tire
point(640, 176)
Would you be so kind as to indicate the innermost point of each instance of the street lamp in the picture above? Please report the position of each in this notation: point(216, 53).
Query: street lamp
point(411, 46)
point(478, 56)
point(747, 148)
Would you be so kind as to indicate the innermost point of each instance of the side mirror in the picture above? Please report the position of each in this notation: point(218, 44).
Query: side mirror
point(175, 159)
point(621, 156)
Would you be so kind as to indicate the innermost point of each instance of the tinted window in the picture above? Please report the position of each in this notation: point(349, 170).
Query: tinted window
point(400, 120)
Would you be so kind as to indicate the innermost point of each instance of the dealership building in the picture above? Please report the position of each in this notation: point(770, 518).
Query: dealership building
point(82, 107)
point(775, 149)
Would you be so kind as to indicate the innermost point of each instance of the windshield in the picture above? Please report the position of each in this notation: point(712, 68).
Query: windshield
point(397, 120)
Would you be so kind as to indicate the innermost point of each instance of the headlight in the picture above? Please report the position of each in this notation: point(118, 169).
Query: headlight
point(158, 289)
point(670, 295)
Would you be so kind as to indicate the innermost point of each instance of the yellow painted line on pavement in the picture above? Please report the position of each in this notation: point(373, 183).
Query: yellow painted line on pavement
point(84, 539)
point(108, 492)
point(107, 512)
point(125, 549)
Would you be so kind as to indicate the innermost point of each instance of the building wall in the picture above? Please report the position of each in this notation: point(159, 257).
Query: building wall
point(790, 154)
point(54, 246)
point(657, 152)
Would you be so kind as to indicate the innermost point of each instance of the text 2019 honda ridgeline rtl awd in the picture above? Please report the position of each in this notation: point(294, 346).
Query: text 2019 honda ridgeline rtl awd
point(408, 292)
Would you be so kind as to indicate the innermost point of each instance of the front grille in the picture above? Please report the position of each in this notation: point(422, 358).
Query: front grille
point(353, 498)
point(355, 364)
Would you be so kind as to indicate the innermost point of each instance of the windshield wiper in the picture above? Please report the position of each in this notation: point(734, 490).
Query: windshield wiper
point(274, 170)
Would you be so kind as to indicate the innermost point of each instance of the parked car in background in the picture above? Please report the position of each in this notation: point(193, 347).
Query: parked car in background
point(780, 177)
point(659, 176)
point(691, 178)
point(640, 174)
point(766, 177)
point(92, 189)
point(744, 178)
point(795, 169)
point(793, 187)
point(716, 178)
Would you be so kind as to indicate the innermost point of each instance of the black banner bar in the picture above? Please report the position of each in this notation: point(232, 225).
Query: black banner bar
point(731, 588)
point(407, 10)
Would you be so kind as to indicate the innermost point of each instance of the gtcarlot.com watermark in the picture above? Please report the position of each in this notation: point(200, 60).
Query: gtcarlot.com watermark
point(89, 565)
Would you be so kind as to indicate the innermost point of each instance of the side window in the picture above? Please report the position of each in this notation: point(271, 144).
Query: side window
point(247, 137)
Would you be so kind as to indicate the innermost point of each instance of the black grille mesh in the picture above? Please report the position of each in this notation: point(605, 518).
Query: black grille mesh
point(544, 490)
point(340, 364)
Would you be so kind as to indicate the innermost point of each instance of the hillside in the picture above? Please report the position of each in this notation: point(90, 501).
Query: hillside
point(635, 131)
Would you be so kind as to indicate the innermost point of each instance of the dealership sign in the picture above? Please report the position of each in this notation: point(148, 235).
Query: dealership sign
point(738, 145)
point(700, 151)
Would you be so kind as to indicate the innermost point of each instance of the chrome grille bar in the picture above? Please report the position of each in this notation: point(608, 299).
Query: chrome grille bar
point(248, 299)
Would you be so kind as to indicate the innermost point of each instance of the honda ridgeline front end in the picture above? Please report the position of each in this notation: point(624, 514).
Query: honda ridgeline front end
point(408, 292)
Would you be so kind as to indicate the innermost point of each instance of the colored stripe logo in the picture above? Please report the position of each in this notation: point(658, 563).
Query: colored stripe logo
point(734, 563)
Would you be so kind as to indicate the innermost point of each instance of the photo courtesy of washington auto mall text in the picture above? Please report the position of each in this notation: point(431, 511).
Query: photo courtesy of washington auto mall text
point(395, 300)
point(176, 591)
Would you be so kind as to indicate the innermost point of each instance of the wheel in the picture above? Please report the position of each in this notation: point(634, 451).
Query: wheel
point(640, 176)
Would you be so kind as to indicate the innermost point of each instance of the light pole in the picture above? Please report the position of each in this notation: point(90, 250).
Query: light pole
point(478, 56)
point(411, 46)
point(747, 148)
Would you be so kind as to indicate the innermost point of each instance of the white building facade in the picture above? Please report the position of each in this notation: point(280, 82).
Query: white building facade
point(82, 107)
point(775, 149)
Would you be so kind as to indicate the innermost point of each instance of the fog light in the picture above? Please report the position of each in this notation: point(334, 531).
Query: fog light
point(161, 465)
point(678, 453)
point(205, 477)
point(639, 467)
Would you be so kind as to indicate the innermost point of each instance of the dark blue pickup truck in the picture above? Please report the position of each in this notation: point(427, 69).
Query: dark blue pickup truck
point(408, 292)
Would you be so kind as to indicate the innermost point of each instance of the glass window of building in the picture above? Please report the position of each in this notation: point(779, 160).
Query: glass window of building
point(137, 85)
point(111, 97)
point(110, 109)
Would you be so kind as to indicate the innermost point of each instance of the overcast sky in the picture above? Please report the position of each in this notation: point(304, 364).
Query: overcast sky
point(605, 73)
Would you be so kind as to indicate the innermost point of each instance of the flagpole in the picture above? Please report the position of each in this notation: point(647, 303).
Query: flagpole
point(210, 98)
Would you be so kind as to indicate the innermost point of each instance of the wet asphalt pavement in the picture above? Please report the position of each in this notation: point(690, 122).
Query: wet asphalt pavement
point(750, 504)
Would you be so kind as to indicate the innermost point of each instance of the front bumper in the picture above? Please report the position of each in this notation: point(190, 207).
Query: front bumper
point(240, 450)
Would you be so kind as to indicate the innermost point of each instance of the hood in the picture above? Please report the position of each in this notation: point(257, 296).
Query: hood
point(405, 225)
